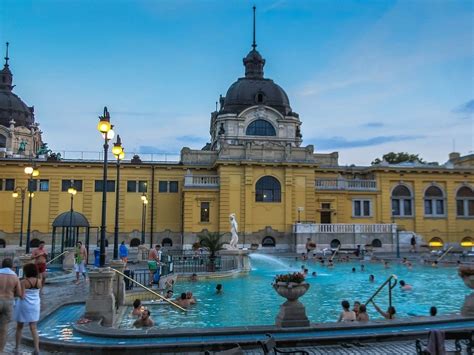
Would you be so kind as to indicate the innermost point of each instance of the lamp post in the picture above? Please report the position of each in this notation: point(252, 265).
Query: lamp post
point(32, 172)
point(105, 128)
point(20, 192)
point(119, 154)
point(144, 203)
point(72, 191)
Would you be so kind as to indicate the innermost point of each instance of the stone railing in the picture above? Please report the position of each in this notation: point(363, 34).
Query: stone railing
point(201, 180)
point(345, 184)
point(343, 228)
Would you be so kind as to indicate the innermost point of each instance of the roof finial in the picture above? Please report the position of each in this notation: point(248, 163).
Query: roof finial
point(6, 56)
point(254, 44)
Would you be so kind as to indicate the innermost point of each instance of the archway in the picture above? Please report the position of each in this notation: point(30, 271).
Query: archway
point(436, 243)
point(376, 243)
point(335, 243)
point(167, 242)
point(268, 242)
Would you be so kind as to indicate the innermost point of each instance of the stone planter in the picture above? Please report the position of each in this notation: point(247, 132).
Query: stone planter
point(292, 312)
point(467, 275)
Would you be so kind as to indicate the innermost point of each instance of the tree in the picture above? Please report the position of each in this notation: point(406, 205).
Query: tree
point(212, 243)
point(397, 158)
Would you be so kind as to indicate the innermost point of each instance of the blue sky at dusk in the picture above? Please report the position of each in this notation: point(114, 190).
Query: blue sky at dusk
point(366, 77)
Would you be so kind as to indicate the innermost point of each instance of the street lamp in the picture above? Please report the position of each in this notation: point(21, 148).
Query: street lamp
point(105, 128)
point(20, 192)
point(72, 191)
point(119, 154)
point(144, 203)
point(32, 172)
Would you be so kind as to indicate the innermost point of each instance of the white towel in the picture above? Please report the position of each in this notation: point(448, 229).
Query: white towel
point(7, 271)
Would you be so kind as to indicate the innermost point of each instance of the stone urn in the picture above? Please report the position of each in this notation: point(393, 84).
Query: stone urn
point(466, 272)
point(292, 312)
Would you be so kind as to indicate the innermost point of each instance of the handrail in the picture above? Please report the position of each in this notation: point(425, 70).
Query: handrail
point(49, 262)
point(149, 290)
point(381, 287)
point(444, 254)
point(333, 255)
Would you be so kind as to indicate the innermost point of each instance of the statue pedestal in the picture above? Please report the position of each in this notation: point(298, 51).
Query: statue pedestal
point(118, 285)
point(292, 312)
point(242, 257)
point(100, 303)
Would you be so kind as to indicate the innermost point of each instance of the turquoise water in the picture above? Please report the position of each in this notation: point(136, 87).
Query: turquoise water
point(58, 326)
point(251, 300)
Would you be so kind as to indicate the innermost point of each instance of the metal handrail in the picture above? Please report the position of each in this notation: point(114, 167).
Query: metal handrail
point(333, 255)
point(49, 262)
point(149, 290)
point(444, 254)
point(388, 281)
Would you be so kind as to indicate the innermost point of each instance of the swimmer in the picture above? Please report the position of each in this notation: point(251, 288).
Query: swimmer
point(169, 294)
point(435, 264)
point(346, 315)
point(409, 266)
point(404, 286)
point(386, 265)
point(371, 278)
point(219, 289)
point(305, 272)
point(144, 320)
point(356, 307)
point(404, 261)
point(183, 301)
point(137, 308)
point(314, 274)
point(433, 311)
point(331, 264)
point(353, 269)
point(362, 316)
point(362, 267)
point(390, 314)
point(194, 277)
point(191, 299)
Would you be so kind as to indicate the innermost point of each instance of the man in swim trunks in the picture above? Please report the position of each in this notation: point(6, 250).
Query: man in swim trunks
point(39, 255)
point(80, 257)
point(154, 260)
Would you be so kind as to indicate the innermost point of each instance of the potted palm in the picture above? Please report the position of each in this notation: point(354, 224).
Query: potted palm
point(212, 243)
point(292, 312)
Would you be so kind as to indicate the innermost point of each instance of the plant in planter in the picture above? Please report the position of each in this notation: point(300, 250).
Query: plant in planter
point(292, 312)
point(466, 272)
point(211, 242)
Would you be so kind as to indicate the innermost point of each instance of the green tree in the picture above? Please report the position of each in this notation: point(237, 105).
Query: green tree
point(397, 158)
point(211, 242)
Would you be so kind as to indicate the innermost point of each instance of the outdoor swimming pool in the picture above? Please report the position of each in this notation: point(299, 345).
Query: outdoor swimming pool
point(251, 300)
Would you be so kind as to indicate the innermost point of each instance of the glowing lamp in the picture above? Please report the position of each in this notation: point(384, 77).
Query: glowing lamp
point(435, 244)
point(35, 173)
point(31, 194)
point(29, 170)
point(467, 243)
point(104, 126)
point(15, 194)
point(143, 197)
point(145, 202)
point(121, 155)
point(72, 190)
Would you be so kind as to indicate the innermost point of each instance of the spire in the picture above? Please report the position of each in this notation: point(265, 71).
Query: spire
point(254, 44)
point(6, 55)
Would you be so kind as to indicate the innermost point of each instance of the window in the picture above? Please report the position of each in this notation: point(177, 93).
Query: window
point(167, 186)
point(205, 211)
point(43, 185)
point(268, 189)
point(110, 186)
point(3, 141)
point(436, 242)
point(465, 202)
point(66, 184)
point(402, 201)
point(325, 206)
point(434, 202)
point(335, 243)
point(260, 97)
point(167, 242)
point(7, 184)
point(268, 242)
point(133, 185)
point(361, 208)
point(260, 128)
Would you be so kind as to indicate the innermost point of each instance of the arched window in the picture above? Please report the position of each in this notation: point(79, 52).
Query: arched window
point(268, 242)
point(268, 189)
point(465, 202)
point(167, 242)
point(436, 242)
point(335, 243)
point(260, 128)
point(467, 242)
point(134, 242)
point(3, 141)
point(402, 201)
point(376, 243)
point(434, 202)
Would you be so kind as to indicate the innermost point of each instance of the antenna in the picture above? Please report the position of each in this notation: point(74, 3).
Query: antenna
point(254, 44)
point(6, 56)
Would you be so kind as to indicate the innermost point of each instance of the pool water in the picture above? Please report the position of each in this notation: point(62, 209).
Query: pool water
point(251, 300)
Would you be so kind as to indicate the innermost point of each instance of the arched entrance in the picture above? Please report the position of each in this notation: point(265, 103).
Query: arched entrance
point(72, 226)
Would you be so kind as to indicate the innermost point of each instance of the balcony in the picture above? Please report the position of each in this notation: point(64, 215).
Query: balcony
point(201, 181)
point(340, 228)
point(347, 185)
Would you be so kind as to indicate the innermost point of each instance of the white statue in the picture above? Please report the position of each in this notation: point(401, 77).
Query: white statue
point(234, 229)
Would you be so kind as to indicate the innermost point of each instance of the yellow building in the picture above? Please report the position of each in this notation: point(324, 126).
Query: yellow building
point(256, 167)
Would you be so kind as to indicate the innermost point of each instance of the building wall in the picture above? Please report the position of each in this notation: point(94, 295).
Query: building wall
point(177, 214)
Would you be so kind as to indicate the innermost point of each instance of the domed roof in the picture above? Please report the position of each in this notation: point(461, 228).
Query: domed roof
point(11, 106)
point(254, 89)
point(66, 220)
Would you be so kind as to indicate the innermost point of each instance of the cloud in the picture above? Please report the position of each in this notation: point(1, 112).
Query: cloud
point(466, 109)
point(372, 125)
point(191, 139)
point(341, 142)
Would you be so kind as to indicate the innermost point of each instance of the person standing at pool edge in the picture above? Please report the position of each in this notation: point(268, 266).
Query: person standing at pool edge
point(154, 260)
point(123, 252)
point(10, 288)
point(80, 257)
point(39, 255)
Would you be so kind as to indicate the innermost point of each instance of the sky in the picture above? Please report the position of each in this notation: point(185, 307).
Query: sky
point(366, 77)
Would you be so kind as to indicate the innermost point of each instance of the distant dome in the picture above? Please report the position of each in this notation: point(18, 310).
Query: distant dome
point(11, 106)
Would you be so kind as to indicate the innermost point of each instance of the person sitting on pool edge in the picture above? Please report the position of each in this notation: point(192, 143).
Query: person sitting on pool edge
point(144, 320)
point(362, 316)
point(219, 289)
point(404, 286)
point(346, 315)
point(390, 314)
point(137, 308)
